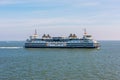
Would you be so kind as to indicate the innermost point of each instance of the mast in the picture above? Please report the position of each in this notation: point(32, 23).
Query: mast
point(85, 31)
point(35, 32)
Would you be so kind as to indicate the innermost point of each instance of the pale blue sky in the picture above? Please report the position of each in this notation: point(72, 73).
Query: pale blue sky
point(19, 18)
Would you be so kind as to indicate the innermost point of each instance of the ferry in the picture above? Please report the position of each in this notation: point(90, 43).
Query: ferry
point(72, 41)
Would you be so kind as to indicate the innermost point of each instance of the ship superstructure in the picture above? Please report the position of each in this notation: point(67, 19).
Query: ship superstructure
point(72, 41)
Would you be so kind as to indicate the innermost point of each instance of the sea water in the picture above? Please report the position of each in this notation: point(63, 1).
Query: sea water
point(19, 63)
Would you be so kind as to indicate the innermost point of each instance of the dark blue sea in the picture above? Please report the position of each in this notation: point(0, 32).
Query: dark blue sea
point(18, 63)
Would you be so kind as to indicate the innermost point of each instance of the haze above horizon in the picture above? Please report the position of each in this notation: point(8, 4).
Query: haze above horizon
point(19, 18)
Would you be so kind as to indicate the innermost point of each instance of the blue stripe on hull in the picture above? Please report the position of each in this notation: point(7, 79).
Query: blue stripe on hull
point(68, 46)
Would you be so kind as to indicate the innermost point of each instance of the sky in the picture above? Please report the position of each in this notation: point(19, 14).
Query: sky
point(20, 18)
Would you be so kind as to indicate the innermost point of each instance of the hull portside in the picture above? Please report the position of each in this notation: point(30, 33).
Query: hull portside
point(44, 45)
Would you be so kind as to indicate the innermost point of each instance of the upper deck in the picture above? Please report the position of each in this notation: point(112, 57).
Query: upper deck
point(72, 38)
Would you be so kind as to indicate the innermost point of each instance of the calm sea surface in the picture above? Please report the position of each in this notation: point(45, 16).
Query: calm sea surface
point(18, 63)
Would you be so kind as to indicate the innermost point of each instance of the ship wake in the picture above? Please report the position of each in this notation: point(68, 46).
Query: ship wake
point(10, 47)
